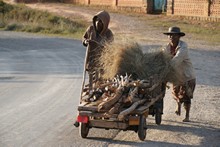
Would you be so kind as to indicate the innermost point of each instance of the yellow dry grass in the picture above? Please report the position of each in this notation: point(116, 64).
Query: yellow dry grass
point(122, 58)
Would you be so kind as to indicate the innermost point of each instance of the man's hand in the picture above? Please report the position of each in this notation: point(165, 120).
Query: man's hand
point(87, 68)
point(86, 42)
point(89, 42)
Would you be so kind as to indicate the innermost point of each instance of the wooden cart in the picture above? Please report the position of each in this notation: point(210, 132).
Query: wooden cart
point(91, 116)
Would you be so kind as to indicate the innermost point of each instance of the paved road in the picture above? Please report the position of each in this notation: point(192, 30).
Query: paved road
point(40, 81)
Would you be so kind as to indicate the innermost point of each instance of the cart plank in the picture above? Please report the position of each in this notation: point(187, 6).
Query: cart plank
point(108, 124)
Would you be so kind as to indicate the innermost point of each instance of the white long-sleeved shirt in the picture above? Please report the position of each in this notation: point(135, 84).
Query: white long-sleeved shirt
point(181, 62)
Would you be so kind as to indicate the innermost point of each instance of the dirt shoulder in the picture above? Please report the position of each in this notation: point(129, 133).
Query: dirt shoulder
point(204, 128)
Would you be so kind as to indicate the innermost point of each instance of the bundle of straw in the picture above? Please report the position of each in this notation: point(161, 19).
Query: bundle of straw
point(120, 58)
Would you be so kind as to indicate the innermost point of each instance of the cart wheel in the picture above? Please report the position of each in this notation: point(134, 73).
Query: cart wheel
point(84, 130)
point(142, 128)
point(158, 117)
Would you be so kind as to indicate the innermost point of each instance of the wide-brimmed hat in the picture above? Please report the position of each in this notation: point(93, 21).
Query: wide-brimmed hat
point(174, 30)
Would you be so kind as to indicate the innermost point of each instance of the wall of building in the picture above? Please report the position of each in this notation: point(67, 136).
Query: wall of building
point(34, 1)
point(215, 8)
point(129, 5)
point(102, 2)
point(210, 9)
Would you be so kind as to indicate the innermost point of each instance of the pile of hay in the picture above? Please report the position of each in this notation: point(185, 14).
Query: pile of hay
point(120, 58)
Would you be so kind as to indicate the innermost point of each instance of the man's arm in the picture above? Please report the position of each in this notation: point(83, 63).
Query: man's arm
point(180, 56)
point(86, 36)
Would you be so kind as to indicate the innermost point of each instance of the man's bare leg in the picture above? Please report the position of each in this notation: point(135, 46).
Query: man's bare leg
point(187, 108)
point(178, 109)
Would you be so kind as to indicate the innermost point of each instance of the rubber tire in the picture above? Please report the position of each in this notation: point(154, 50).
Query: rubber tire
point(84, 130)
point(158, 117)
point(142, 133)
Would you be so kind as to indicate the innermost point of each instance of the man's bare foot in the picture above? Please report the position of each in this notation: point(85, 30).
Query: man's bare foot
point(177, 112)
point(186, 120)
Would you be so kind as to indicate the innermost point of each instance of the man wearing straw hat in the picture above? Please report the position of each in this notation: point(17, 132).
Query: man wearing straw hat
point(181, 64)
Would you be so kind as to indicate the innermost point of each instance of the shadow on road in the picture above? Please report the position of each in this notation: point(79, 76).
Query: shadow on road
point(198, 129)
point(135, 143)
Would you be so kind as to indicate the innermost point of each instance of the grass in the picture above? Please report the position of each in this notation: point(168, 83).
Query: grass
point(21, 18)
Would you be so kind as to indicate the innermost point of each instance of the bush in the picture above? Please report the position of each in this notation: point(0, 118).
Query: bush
point(29, 20)
point(13, 27)
point(4, 8)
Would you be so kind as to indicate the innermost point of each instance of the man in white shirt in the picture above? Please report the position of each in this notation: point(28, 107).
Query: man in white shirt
point(183, 88)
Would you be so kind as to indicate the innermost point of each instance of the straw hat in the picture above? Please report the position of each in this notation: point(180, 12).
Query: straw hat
point(174, 30)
